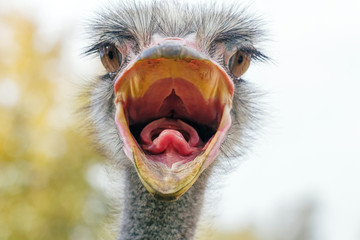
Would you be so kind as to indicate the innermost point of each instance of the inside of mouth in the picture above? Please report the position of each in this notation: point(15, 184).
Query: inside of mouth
point(173, 124)
point(204, 132)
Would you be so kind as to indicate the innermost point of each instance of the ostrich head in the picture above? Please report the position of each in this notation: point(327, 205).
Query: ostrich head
point(173, 89)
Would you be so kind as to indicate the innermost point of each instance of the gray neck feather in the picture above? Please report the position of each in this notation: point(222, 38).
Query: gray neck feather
point(144, 217)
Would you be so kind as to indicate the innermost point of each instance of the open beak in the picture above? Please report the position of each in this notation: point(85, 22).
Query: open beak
point(173, 112)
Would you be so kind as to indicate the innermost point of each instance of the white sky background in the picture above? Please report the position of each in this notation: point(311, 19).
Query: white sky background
point(310, 149)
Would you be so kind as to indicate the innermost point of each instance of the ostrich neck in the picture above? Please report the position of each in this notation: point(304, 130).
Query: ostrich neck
point(143, 217)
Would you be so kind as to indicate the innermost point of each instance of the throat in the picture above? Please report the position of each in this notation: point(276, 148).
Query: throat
point(144, 217)
point(170, 141)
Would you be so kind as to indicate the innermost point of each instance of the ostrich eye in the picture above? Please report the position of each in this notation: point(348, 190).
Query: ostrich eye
point(110, 57)
point(239, 63)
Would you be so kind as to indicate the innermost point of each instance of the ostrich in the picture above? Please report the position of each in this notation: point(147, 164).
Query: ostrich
point(171, 101)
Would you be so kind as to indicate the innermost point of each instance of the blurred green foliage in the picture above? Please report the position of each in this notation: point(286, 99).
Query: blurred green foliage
point(44, 160)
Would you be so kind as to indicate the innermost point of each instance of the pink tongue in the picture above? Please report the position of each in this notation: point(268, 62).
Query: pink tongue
point(170, 137)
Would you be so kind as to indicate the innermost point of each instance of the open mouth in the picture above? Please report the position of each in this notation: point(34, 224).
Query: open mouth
point(172, 112)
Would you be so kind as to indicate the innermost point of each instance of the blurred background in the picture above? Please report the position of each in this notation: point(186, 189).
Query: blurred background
point(300, 180)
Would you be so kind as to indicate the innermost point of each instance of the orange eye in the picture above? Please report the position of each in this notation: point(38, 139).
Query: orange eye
point(239, 63)
point(110, 57)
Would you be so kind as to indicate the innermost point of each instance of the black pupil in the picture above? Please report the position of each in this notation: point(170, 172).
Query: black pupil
point(111, 55)
point(240, 59)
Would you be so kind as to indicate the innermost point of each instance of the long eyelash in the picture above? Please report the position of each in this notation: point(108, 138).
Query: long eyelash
point(255, 54)
point(93, 49)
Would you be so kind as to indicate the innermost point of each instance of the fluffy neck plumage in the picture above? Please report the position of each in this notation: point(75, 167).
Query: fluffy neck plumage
point(144, 217)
